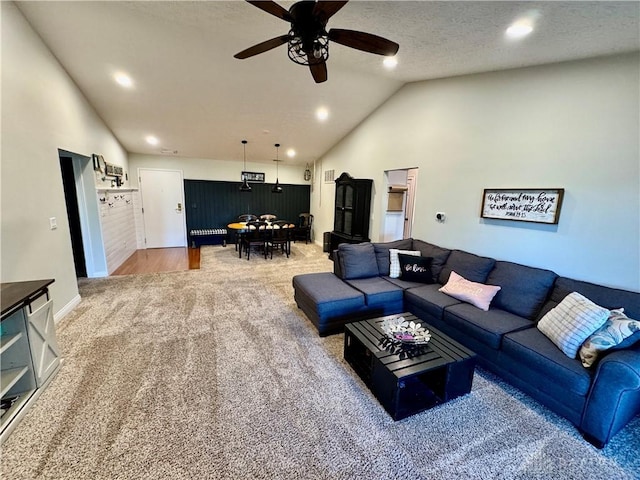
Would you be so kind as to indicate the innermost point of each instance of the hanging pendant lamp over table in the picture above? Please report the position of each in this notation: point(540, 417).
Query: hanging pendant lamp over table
point(277, 188)
point(245, 187)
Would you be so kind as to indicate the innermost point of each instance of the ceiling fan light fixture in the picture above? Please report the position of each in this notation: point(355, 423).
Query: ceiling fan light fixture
point(245, 187)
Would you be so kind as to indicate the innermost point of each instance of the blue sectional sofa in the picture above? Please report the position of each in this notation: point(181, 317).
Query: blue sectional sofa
point(599, 400)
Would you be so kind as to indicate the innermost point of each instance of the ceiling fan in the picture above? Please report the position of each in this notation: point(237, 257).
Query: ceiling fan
point(308, 39)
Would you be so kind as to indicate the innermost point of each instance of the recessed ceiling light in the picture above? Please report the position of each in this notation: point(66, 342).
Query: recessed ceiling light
point(322, 114)
point(519, 29)
point(151, 140)
point(123, 80)
point(390, 62)
point(291, 153)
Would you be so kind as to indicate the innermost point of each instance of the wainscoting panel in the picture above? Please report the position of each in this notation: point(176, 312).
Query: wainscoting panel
point(118, 227)
point(215, 204)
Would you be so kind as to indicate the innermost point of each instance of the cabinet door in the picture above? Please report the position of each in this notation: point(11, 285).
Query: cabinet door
point(42, 339)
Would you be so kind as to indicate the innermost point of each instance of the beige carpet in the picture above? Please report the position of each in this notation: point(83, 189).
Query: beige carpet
point(215, 374)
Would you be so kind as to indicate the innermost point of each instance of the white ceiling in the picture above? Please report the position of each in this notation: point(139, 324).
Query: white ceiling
point(197, 99)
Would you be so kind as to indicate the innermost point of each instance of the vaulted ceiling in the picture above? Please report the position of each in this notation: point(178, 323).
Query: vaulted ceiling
point(197, 99)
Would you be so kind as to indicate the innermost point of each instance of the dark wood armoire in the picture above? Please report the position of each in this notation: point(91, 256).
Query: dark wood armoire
point(352, 211)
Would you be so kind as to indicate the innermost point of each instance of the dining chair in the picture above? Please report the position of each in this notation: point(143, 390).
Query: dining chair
point(280, 237)
point(255, 236)
point(303, 230)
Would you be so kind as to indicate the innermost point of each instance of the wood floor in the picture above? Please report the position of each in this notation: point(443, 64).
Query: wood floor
point(153, 260)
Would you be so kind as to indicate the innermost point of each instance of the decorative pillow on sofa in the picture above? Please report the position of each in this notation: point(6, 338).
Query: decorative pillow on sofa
point(571, 322)
point(394, 267)
point(415, 269)
point(358, 260)
point(617, 328)
point(382, 253)
point(477, 294)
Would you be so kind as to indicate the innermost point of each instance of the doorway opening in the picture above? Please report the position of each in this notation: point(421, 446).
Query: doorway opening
point(78, 181)
point(399, 204)
point(73, 214)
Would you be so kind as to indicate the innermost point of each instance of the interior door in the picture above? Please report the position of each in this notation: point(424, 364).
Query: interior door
point(162, 194)
point(412, 178)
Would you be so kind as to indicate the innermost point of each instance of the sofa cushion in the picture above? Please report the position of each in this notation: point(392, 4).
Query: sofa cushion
point(472, 267)
point(427, 297)
point(570, 323)
point(394, 261)
point(402, 283)
point(377, 291)
point(415, 269)
point(487, 327)
point(382, 253)
point(438, 254)
point(358, 260)
point(611, 298)
point(330, 295)
point(524, 289)
point(476, 294)
point(616, 329)
point(532, 348)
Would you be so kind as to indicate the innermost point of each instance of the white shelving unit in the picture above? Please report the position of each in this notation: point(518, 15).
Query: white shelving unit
point(29, 355)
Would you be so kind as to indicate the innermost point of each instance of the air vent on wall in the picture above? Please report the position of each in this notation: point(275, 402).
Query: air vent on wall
point(329, 176)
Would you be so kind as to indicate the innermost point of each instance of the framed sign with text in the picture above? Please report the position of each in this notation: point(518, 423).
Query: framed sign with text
point(252, 177)
point(537, 205)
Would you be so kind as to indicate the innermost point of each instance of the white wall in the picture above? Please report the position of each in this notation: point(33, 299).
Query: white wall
point(221, 170)
point(573, 125)
point(42, 110)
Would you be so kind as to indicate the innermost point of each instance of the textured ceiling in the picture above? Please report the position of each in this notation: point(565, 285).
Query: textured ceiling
point(197, 99)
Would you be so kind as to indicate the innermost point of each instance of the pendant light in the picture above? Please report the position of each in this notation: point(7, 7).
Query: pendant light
point(245, 185)
point(277, 188)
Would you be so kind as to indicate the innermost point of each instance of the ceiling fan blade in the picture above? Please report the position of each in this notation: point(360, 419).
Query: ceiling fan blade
point(273, 8)
point(366, 42)
point(319, 71)
point(262, 47)
point(326, 9)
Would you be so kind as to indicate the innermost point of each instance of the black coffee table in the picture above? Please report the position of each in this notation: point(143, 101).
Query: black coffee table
point(408, 379)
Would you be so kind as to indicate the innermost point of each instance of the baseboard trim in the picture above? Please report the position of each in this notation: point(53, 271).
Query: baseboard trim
point(64, 311)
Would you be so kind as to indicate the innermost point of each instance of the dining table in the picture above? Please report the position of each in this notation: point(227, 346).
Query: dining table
point(241, 228)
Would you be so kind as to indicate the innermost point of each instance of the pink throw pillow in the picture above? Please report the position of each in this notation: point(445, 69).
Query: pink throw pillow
point(477, 294)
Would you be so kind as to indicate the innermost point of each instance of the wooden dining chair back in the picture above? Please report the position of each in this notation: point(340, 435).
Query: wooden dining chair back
point(280, 237)
point(303, 230)
point(247, 217)
point(256, 236)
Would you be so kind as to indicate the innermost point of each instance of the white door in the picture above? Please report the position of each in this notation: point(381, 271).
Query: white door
point(162, 194)
point(412, 177)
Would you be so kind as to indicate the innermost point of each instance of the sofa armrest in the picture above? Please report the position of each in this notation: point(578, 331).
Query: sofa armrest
point(614, 397)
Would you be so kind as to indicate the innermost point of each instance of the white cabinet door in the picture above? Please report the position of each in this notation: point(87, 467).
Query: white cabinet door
point(42, 339)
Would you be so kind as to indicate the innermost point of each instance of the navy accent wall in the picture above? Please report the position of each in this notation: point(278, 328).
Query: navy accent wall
point(214, 204)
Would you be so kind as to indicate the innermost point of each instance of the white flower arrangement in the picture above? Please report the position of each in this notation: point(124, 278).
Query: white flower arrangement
point(401, 330)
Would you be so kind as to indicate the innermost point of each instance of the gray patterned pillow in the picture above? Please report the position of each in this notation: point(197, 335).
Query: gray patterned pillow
point(571, 322)
point(617, 327)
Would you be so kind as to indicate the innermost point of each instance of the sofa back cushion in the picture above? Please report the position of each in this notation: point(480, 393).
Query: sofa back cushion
point(472, 267)
point(610, 298)
point(357, 260)
point(382, 253)
point(524, 289)
point(438, 254)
